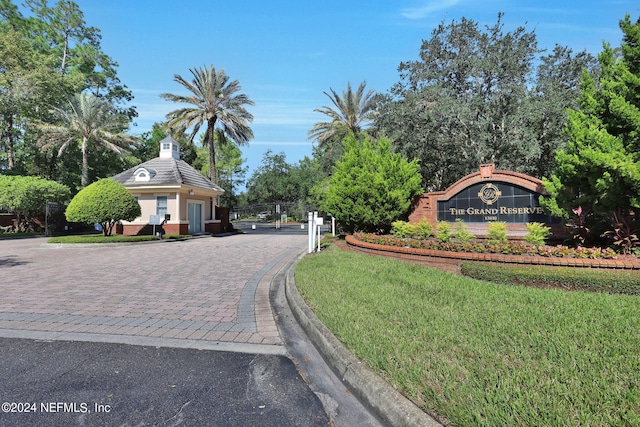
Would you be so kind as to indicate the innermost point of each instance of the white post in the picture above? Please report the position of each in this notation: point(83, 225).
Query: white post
point(310, 231)
point(318, 226)
point(315, 224)
point(333, 226)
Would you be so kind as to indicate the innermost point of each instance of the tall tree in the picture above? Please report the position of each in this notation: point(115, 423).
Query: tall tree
point(61, 32)
point(557, 89)
point(599, 170)
point(231, 172)
point(214, 102)
point(26, 84)
point(350, 113)
point(57, 56)
point(468, 100)
point(90, 121)
point(271, 181)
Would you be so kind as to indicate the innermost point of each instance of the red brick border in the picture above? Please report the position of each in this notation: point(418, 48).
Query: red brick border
point(454, 259)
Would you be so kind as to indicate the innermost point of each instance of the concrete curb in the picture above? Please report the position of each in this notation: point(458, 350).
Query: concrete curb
point(382, 399)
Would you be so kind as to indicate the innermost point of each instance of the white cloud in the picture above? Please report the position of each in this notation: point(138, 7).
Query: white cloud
point(430, 7)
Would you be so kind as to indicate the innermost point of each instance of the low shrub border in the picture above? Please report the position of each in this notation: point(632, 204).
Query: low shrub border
point(612, 282)
point(118, 238)
point(455, 258)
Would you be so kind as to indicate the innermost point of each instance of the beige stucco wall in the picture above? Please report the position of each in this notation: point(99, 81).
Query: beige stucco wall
point(175, 200)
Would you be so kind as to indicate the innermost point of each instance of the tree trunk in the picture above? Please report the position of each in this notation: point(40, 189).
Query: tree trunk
point(213, 173)
point(9, 143)
point(85, 163)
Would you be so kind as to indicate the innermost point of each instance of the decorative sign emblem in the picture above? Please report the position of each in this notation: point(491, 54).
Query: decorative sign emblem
point(489, 194)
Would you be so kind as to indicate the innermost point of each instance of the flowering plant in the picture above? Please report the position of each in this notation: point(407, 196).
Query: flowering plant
point(510, 247)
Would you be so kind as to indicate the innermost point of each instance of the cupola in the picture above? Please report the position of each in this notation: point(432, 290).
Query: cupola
point(169, 148)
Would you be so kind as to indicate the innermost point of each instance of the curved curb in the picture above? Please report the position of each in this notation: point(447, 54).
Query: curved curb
point(382, 399)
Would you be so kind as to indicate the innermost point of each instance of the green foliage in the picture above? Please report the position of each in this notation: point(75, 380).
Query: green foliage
point(215, 103)
point(47, 56)
point(353, 112)
point(231, 173)
point(147, 146)
point(88, 121)
point(624, 233)
point(271, 182)
point(497, 232)
point(423, 229)
point(481, 354)
point(26, 196)
point(509, 247)
point(371, 186)
point(613, 282)
point(461, 232)
point(116, 238)
point(481, 95)
point(104, 202)
point(443, 231)
point(536, 233)
point(402, 229)
point(599, 170)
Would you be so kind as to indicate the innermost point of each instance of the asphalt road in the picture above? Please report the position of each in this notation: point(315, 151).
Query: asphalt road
point(60, 383)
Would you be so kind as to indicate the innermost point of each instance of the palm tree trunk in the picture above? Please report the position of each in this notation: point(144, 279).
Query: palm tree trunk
point(213, 173)
point(85, 163)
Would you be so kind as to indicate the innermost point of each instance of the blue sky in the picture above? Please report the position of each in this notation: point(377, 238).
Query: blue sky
point(285, 54)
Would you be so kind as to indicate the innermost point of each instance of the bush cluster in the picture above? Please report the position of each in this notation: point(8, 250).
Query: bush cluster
point(613, 282)
point(510, 247)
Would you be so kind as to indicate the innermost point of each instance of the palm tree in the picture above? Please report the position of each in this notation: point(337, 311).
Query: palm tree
point(86, 119)
point(353, 112)
point(214, 103)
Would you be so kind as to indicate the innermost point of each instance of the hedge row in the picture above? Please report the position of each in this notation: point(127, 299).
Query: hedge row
point(613, 282)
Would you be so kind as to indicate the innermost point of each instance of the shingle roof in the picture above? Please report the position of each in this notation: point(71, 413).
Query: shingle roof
point(168, 171)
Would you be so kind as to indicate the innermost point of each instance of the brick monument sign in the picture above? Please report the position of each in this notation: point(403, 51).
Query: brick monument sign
point(487, 196)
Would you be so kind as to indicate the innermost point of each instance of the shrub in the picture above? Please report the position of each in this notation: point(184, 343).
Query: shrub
point(462, 233)
point(613, 282)
point(497, 232)
point(536, 233)
point(371, 186)
point(104, 202)
point(423, 229)
point(402, 229)
point(27, 196)
point(443, 231)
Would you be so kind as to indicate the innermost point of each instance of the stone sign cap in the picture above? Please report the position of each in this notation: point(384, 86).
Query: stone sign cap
point(487, 170)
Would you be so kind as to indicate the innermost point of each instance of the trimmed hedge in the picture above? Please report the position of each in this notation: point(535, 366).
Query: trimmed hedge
point(99, 238)
point(613, 282)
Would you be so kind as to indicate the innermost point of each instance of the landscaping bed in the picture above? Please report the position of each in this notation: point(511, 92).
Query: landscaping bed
point(435, 253)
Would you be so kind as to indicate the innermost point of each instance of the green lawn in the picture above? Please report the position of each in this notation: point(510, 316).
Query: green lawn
point(479, 353)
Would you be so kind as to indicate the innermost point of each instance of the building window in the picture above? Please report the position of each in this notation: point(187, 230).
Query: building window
point(166, 146)
point(161, 206)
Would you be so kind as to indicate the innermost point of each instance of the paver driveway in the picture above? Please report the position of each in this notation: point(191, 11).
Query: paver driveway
point(206, 292)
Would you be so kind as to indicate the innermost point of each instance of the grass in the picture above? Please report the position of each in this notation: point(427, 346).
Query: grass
point(614, 282)
point(118, 238)
point(478, 353)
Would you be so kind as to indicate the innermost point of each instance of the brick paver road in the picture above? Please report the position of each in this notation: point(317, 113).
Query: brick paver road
point(200, 293)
